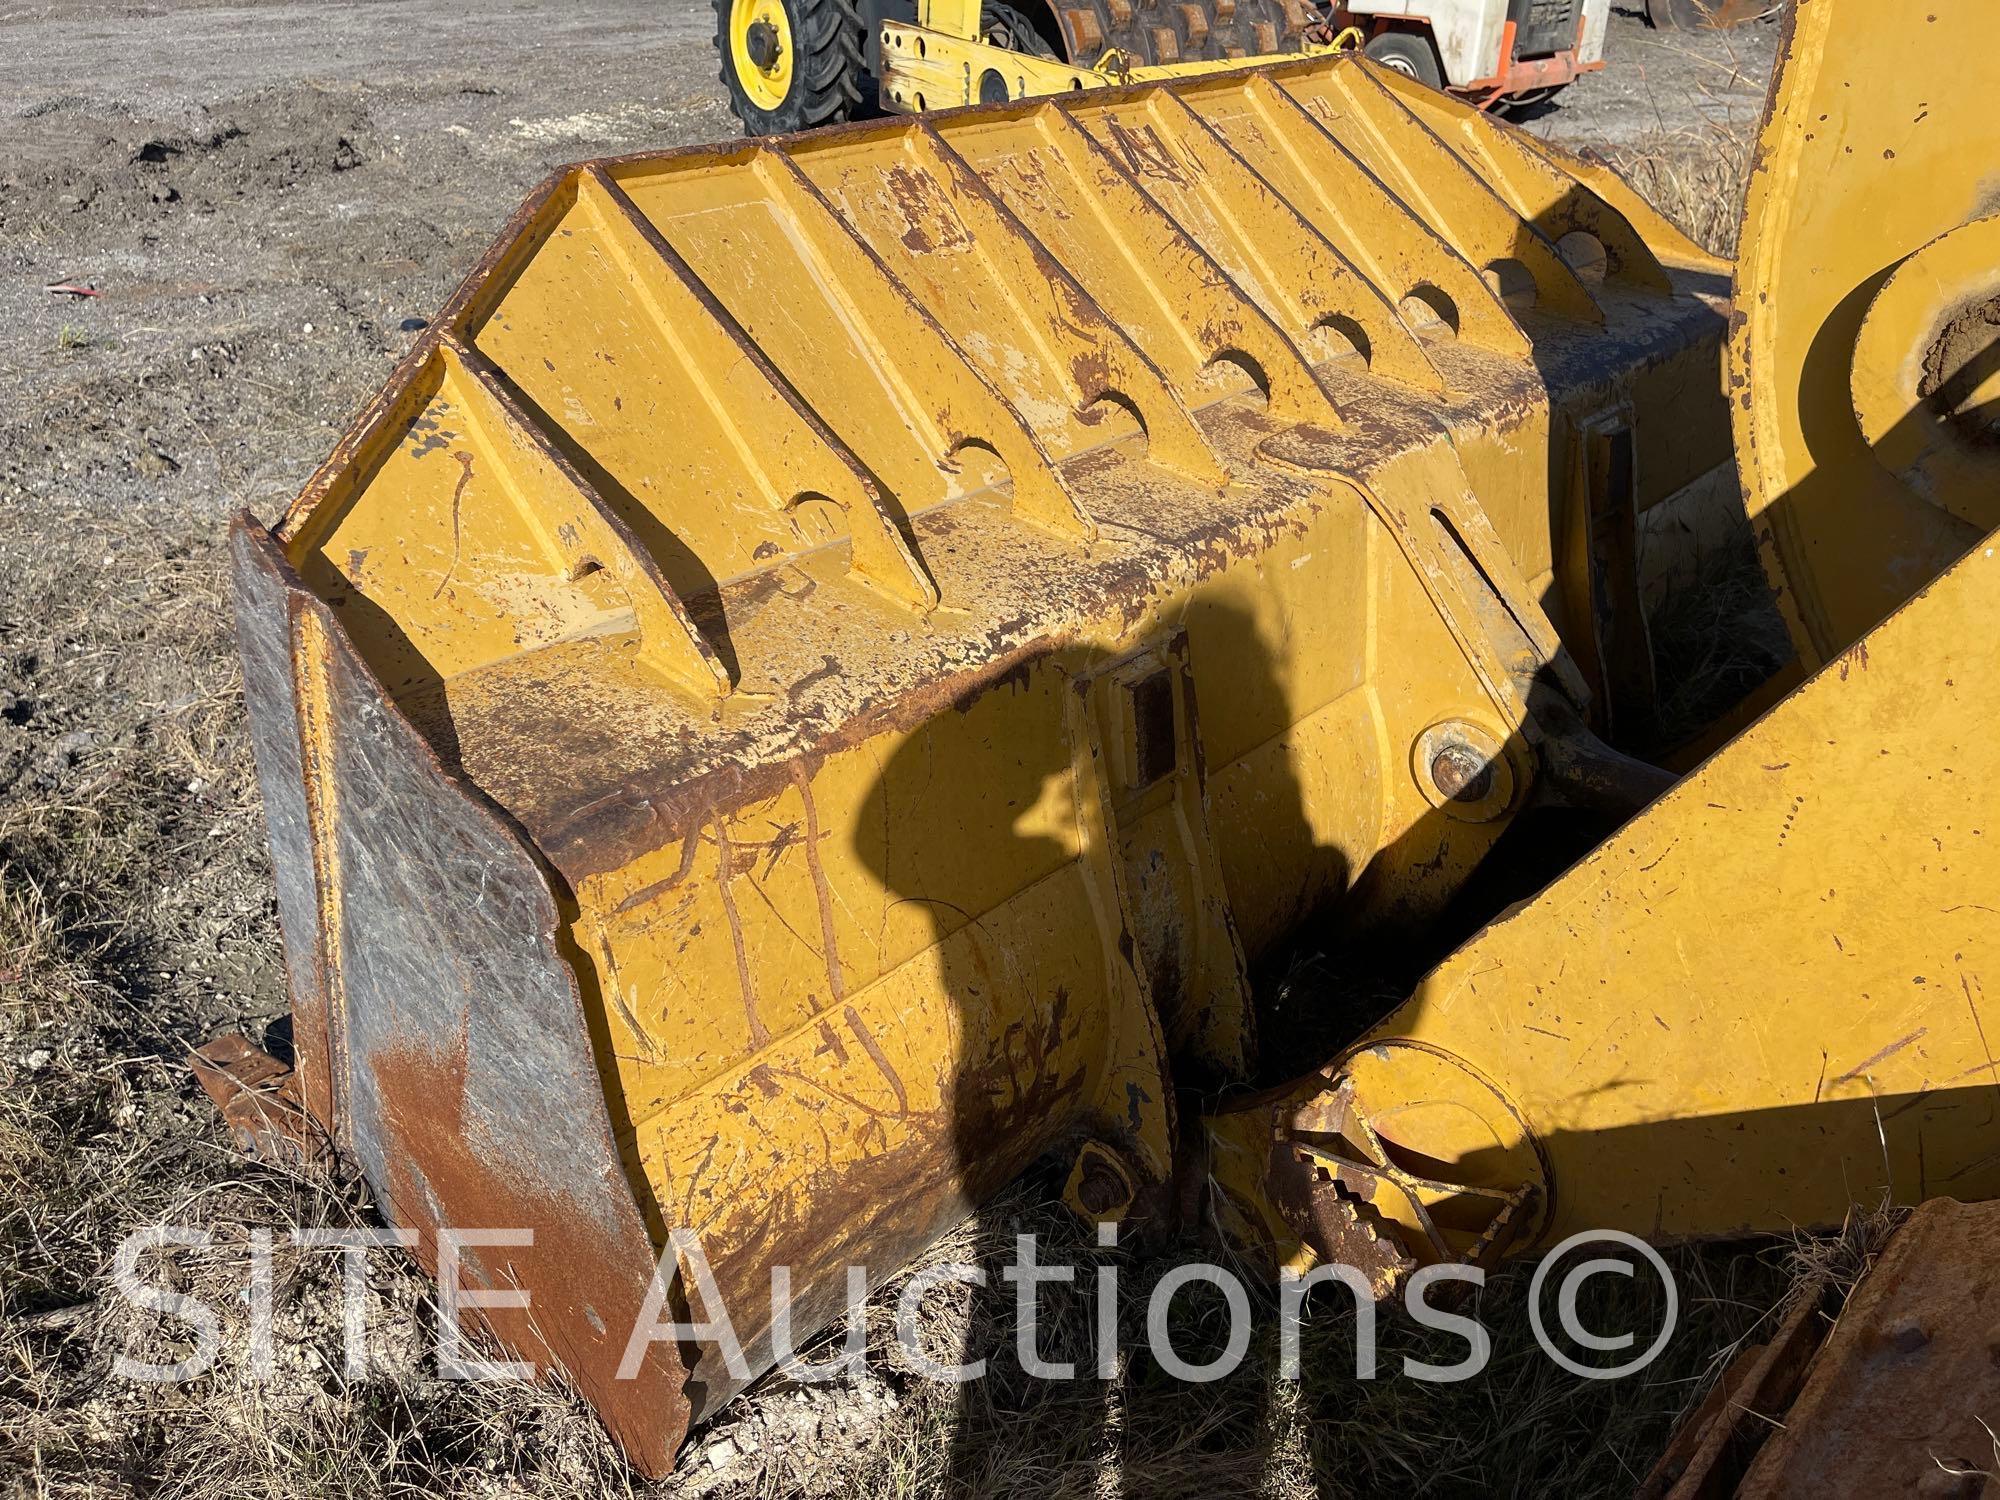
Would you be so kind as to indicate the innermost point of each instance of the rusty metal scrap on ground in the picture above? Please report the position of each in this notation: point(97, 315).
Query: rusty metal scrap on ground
point(1893, 1393)
point(832, 660)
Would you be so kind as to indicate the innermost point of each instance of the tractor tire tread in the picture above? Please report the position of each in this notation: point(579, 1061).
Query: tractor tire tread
point(1153, 29)
point(827, 71)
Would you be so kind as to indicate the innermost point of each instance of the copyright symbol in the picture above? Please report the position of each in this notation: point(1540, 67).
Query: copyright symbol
point(1566, 1292)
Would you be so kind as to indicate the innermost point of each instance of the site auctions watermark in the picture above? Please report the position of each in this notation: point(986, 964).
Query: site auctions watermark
point(1568, 1267)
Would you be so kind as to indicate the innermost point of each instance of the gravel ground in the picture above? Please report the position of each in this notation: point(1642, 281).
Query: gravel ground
point(1666, 83)
point(264, 194)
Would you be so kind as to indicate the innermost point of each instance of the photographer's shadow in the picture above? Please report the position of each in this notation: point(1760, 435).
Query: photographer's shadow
point(987, 824)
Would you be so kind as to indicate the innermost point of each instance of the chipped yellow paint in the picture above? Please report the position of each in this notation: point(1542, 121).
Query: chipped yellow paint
point(942, 598)
point(1848, 520)
point(1827, 1043)
point(1766, 999)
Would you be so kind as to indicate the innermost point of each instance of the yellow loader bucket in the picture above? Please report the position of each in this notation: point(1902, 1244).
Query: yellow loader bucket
point(812, 683)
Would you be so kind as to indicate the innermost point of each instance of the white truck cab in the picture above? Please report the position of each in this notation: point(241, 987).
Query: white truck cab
point(1491, 50)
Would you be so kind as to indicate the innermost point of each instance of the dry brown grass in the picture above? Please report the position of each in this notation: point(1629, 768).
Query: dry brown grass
point(1695, 176)
point(135, 921)
point(1716, 635)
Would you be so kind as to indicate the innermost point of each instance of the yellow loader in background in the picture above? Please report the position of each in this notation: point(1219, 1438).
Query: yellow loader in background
point(833, 664)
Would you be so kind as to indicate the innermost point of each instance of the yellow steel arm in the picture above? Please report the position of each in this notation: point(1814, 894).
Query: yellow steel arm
point(1770, 996)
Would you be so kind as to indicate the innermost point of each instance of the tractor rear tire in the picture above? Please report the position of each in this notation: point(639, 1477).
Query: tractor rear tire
point(1517, 106)
point(1412, 56)
point(792, 64)
point(1003, 26)
point(1153, 32)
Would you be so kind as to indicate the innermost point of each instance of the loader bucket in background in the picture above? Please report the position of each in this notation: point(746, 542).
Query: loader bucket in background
point(1764, 999)
point(821, 673)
